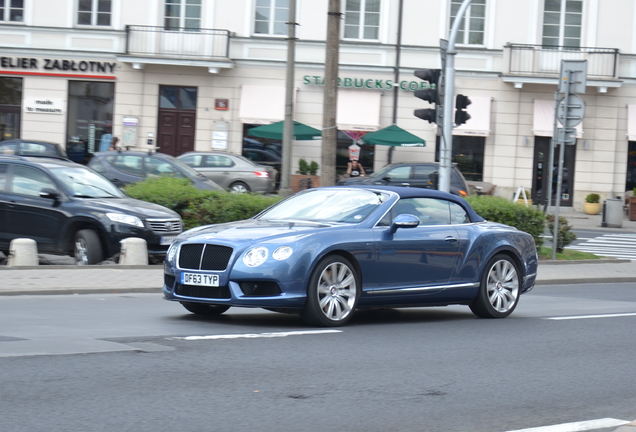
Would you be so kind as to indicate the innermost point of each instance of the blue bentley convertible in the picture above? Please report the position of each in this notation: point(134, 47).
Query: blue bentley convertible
point(326, 252)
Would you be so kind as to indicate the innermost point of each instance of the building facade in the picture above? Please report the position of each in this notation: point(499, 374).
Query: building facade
point(197, 74)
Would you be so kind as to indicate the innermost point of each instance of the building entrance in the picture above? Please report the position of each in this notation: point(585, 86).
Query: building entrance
point(176, 119)
point(540, 173)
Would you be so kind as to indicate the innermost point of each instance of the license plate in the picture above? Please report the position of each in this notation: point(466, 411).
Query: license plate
point(200, 279)
point(166, 240)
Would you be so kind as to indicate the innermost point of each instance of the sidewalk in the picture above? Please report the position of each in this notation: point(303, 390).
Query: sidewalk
point(71, 279)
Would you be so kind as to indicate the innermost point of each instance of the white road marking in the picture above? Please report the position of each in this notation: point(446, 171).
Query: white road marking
point(577, 426)
point(258, 335)
point(592, 316)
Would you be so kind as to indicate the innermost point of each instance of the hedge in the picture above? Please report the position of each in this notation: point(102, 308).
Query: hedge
point(197, 207)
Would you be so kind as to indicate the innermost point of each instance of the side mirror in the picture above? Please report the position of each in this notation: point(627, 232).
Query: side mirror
point(404, 221)
point(50, 194)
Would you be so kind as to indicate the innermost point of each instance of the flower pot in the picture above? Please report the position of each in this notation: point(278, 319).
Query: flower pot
point(591, 208)
point(523, 202)
point(301, 182)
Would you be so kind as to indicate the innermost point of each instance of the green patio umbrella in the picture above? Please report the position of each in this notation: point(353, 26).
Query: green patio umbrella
point(393, 136)
point(301, 132)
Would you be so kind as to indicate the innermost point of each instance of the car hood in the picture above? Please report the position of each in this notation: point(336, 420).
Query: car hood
point(129, 206)
point(253, 231)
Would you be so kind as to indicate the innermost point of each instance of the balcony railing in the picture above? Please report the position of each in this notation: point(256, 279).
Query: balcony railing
point(200, 44)
point(545, 61)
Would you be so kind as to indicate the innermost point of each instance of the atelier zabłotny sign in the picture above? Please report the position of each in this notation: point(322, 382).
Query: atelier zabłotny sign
point(57, 65)
point(368, 83)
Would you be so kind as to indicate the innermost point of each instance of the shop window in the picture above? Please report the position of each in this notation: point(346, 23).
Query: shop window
point(468, 154)
point(271, 16)
point(94, 12)
point(182, 14)
point(10, 107)
point(362, 19)
point(12, 10)
point(178, 97)
point(90, 118)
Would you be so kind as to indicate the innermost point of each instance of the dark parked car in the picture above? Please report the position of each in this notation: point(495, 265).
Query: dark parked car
point(265, 157)
point(129, 166)
point(24, 147)
point(328, 251)
point(421, 174)
point(233, 172)
point(68, 209)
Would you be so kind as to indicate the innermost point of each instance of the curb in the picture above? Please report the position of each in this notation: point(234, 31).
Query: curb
point(630, 427)
point(76, 291)
point(588, 261)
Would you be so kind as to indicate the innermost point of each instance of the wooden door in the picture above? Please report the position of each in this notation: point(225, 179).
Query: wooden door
point(176, 131)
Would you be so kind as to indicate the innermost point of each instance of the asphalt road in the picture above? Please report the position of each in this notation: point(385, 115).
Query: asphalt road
point(138, 363)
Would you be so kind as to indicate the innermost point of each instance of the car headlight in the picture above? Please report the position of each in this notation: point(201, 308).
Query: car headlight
point(282, 253)
point(172, 251)
point(255, 256)
point(125, 219)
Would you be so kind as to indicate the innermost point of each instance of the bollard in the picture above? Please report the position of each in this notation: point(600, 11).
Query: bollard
point(23, 252)
point(134, 251)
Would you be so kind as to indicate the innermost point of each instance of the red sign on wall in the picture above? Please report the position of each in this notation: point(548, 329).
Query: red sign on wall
point(222, 104)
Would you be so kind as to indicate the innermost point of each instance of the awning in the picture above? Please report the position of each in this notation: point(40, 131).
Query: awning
point(544, 119)
point(300, 131)
point(262, 105)
point(358, 110)
point(631, 122)
point(393, 136)
point(479, 122)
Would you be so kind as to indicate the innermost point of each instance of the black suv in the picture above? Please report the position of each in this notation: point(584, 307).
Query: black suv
point(422, 174)
point(69, 209)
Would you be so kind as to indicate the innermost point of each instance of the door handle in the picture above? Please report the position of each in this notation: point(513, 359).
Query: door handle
point(450, 239)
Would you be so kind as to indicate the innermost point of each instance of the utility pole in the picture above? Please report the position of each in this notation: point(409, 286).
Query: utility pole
point(288, 130)
point(396, 74)
point(330, 104)
point(446, 143)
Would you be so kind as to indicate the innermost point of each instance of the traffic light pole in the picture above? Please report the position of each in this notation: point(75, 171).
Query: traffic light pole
point(446, 143)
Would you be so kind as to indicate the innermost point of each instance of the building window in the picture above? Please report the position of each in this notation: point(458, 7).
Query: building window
point(271, 17)
point(12, 10)
point(94, 12)
point(90, 118)
point(10, 107)
point(471, 29)
point(468, 154)
point(183, 14)
point(562, 23)
point(362, 19)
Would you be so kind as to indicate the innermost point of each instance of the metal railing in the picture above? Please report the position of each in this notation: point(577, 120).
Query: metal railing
point(545, 61)
point(200, 44)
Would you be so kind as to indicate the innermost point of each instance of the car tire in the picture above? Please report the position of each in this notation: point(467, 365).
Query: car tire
point(87, 248)
point(499, 289)
point(239, 187)
point(204, 309)
point(333, 293)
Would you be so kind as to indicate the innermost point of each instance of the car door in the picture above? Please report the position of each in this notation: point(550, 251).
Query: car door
point(220, 169)
point(28, 214)
point(397, 176)
point(413, 263)
point(125, 169)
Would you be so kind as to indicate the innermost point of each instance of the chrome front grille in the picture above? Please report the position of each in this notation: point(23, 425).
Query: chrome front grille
point(199, 256)
point(166, 225)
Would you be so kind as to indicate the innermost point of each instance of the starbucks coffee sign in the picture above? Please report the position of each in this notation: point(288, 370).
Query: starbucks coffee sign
point(368, 83)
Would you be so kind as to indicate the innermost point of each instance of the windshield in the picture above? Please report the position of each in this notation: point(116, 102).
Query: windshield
point(327, 205)
point(82, 182)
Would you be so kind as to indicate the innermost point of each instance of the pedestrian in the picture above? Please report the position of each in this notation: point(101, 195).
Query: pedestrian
point(355, 169)
point(113, 143)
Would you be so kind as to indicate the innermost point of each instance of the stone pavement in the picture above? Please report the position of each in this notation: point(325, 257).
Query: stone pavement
point(71, 279)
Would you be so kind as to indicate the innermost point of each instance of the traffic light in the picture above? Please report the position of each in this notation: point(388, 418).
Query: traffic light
point(431, 95)
point(461, 116)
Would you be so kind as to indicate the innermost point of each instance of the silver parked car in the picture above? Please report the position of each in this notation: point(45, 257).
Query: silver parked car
point(233, 172)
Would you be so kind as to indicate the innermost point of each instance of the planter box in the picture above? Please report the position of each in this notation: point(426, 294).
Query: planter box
point(632, 208)
point(591, 208)
point(301, 182)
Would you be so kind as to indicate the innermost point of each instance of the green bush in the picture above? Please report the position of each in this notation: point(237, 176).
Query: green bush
point(197, 207)
point(226, 208)
point(171, 192)
point(497, 209)
point(593, 198)
point(565, 236)
point(313, 168)
point(303, 167)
